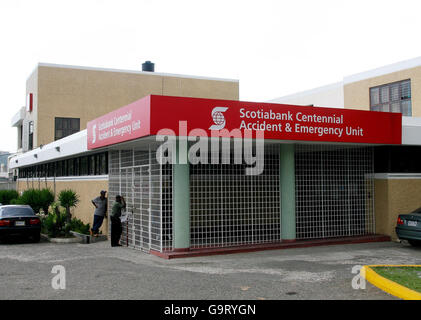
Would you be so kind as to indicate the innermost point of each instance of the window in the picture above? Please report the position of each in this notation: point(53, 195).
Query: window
point(31, 136)
point(59, 169)
point(96, 164)
point(84, 166)
point(70, 167)
point(20, 137)
point(51, 169)
point(92, 165)
point(76, 169)
point(103, 163)
point(65, 127)
point(392, 97)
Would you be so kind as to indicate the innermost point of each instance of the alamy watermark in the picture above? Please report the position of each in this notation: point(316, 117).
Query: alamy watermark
point(358, 282)
point(237, 145)
point(58, 282)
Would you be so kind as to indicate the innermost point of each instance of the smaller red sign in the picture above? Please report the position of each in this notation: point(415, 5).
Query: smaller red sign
point(124, 124)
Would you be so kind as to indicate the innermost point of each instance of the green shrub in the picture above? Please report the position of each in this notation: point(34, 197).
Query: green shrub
point(7, 196)
point(36, 199)
point(31, 197)
point(54, 224)
point(77, 225)
point(15, 201)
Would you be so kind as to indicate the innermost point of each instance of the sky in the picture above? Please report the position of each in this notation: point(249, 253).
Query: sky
point(274, 48)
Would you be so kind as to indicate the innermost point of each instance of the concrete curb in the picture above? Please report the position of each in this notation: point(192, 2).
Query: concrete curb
point(78, 238)
point(387, 285)
point(60, 240)
point(89, 239)
point(198, 252)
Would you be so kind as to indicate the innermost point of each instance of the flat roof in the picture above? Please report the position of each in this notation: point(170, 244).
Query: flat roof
point(372, 73)
point(52, 65)
point(387, 69)
point(328, 87)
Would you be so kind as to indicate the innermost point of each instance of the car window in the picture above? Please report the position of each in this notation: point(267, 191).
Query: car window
point(417, 210)
point(16, 212)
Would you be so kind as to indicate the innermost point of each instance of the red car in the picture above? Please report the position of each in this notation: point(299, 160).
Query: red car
point(19, 220)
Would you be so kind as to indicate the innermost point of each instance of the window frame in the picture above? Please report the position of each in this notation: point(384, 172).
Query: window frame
point(389, 88)
point(65, 125)
point(88, 165)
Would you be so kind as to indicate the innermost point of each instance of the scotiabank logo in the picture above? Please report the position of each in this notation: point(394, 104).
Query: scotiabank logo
point(218, 118)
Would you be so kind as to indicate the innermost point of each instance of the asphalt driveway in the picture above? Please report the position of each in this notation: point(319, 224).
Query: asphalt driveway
point(97, 271)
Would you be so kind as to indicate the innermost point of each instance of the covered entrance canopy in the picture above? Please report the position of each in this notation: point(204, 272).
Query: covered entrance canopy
point(312, 174)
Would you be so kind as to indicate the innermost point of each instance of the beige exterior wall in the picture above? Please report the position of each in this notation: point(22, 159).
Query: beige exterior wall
point(86, 190)
point(394, 197)
point(85, 93)
point(357, 94)
point(381, 206)
point(88, 94)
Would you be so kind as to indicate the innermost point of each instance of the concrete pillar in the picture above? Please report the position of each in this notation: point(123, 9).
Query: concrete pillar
point(181, 202)
point(287, 189)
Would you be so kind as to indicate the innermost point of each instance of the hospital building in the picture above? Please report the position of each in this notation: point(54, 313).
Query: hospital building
point(334, 164)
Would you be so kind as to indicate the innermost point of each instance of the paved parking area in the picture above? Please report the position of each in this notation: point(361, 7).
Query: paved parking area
point(97, 271)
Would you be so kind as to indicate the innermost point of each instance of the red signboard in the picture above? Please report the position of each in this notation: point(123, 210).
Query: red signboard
point(127, 123)
point(276, 121)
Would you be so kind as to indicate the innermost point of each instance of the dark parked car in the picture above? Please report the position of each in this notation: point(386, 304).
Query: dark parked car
point(19, 220)
point(408, 227)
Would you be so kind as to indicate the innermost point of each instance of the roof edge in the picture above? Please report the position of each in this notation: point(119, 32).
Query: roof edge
point(387, 69)
point(52, 65)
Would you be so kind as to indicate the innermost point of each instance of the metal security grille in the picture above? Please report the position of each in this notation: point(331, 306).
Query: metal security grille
point(146, 187)
point(334, 191)
point(231, 208)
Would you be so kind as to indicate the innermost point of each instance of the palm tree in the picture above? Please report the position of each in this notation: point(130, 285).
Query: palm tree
point(47, 198)
point(68, 199)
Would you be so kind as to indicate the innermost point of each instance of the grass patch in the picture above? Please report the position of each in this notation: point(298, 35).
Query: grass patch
point(409, 277)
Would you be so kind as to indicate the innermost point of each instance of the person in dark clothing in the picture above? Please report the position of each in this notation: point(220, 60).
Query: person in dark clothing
point(116, 229)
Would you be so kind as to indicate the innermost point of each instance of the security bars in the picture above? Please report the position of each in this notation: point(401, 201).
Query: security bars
point(230, 208)
point(334, 197)
point(146, 187)
point(334, 191)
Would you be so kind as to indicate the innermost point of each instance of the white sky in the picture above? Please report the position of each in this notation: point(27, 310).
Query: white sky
point(274, 48)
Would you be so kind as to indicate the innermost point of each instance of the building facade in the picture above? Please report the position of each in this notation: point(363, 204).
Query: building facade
point(392, 88)
point(333, 162)
point(62, 99)
point(313, 181)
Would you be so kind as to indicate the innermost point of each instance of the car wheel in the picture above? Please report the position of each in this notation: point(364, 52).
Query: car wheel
point(414, 243)
point(36, 237)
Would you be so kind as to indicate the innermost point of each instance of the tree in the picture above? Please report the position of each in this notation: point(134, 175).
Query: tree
point(68, 199)
point(47, 198)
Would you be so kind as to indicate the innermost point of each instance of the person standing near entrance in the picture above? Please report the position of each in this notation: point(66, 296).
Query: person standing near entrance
point(116, 229)
point(100, 204)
